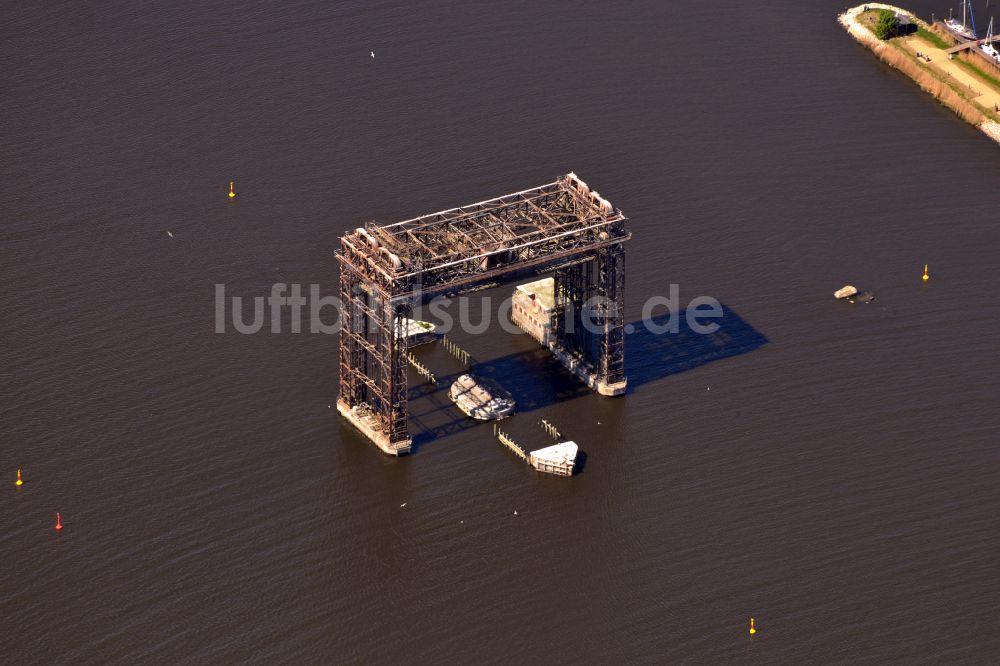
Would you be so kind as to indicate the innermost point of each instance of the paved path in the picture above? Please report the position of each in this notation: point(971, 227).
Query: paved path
point(975, 88)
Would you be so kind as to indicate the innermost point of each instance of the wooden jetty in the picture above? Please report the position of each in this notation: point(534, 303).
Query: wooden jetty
point(558, 459)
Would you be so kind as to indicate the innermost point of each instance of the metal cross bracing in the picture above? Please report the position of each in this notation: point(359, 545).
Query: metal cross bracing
point(562, 227)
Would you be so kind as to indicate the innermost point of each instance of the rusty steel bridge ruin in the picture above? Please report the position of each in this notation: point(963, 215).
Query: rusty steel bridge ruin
point(561, 228)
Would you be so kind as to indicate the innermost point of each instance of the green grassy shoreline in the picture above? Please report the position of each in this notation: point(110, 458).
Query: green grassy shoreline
point(867, 19)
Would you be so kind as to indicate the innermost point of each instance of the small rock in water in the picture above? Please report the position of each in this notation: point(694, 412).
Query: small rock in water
point(845, 292)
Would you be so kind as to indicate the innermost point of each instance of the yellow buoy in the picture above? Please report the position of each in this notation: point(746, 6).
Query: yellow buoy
point(753, 630)
point(926, 274)
point(19, 482)
point(232, 192)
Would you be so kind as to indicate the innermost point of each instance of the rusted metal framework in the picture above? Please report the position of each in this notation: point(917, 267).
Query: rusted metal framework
point(562, 227)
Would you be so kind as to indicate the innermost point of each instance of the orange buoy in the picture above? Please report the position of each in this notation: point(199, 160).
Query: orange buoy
point(58, 521)
point(19, 482)
point(232, 192)
point(753, 630)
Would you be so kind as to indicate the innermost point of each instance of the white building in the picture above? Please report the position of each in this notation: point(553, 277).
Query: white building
point(532, 308)
point(557, 459)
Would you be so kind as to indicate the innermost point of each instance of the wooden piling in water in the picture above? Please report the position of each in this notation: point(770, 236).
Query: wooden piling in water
point(420, 368)
point(456, 351)
point(507, 441)
point(552, 431)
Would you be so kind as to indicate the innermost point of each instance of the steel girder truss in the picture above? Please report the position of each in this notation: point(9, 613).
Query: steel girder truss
point(561, 227)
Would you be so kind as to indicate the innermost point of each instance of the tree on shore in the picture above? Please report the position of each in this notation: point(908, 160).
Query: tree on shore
point(885, 24)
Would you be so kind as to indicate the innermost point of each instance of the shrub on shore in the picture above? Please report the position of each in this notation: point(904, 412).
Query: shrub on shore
point(885, 24)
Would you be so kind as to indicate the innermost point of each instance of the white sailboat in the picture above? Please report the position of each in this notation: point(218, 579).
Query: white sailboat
point(987, 45)
point(962, 30)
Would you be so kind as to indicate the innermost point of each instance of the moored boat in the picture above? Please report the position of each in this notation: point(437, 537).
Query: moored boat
point(961, 29)
point(987, 46)
point(481, 399)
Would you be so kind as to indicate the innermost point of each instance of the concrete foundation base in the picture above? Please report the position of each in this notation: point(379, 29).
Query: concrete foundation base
point(607, 389)
point(369, 428)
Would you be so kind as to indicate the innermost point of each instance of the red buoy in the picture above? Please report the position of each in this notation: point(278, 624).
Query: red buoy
point(58, 521)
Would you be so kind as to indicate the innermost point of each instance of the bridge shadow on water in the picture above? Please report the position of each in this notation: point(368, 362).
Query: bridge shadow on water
point(651, 356)
point(537, 380)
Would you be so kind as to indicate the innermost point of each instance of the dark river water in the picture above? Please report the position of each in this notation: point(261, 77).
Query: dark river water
point(829, 469)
